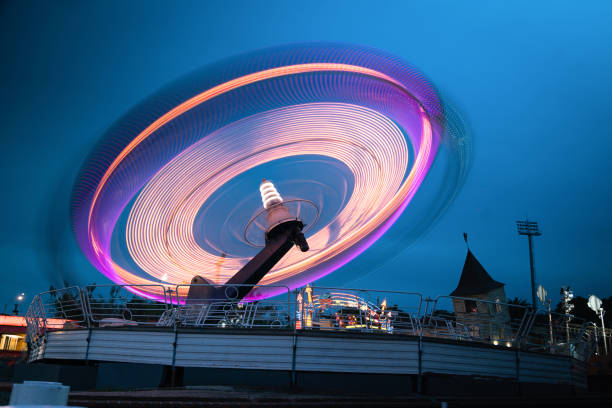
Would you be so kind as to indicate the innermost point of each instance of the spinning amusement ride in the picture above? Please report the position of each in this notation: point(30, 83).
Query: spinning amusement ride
point(222, 197)
point(347, 134)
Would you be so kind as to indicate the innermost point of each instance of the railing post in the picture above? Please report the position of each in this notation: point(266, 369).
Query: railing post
point(173, 369)
point(524, 330)
point(43, 315)
point(420, 347)
point(517, 358)
point(292, 381)
point(292, 375)
point(88, 340)
point(420, 365)
point(165, 298)
point(178, 299)
point(569, 369)
point(85, 308)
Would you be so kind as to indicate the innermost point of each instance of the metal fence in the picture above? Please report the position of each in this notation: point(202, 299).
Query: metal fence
point(117, 305)
point(312, 308)
point(598, 334)
point(52, 310)
point(479, 320)
point(371, 311)
point(592, 337)
point(508, 325)
point(225, 310)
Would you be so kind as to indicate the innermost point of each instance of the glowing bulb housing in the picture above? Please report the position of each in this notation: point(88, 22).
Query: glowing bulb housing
point(276, 212)
point(279, 218)
point(269, 194)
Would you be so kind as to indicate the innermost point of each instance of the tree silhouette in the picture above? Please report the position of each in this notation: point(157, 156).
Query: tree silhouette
point(518, 301)
point(517, 313)
point(582, 310)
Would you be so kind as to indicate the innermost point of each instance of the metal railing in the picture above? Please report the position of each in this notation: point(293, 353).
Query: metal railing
point(325, 308)
point(508, 325)
point(117, 305)
point(594, 331)
point(225, 310)
point(310, 308)
point(479, 320)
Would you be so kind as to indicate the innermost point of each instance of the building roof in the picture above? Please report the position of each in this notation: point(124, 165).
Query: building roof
point(474, 279)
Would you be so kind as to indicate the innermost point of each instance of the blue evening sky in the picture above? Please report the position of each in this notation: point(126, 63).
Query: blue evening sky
point(532, 79)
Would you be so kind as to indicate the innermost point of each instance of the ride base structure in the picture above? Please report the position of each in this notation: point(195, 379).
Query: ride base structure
point(201, 334)
point(310, 338)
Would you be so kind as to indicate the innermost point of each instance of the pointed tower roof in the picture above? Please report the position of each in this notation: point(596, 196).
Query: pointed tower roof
point(474, 279)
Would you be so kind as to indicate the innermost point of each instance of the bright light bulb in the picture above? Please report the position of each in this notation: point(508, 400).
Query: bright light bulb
point(269, 194)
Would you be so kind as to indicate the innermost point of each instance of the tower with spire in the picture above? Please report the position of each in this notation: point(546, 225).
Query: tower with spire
point(475, 286)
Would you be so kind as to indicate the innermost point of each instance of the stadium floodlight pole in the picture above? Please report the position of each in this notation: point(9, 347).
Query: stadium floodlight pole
point(530, 228)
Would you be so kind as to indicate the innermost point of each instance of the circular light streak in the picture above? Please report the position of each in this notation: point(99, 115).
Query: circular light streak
point(139, 197)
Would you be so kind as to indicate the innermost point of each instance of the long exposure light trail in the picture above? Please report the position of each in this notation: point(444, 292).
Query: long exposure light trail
point(226, 87)
point(359, 107)
point(165, 243)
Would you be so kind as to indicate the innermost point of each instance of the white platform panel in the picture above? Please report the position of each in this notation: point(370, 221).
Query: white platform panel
point(358, 355)
point(266, 352)
point(312, 351)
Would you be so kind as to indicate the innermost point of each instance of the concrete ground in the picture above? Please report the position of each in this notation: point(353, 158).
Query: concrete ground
point(221, 396)
point(249, 397)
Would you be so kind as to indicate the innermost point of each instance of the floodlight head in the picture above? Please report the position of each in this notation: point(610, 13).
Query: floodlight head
point(528, 228)
point(541, 292)
point(594, 304)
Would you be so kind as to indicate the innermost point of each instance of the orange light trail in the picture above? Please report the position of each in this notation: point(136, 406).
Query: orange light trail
point(218, 90)
point(377, 122)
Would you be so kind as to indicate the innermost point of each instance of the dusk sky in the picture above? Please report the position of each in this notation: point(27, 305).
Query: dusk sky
point(532, 80)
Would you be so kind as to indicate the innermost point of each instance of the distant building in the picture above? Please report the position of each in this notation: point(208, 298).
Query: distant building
point(12, 338)
point(489, 319)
